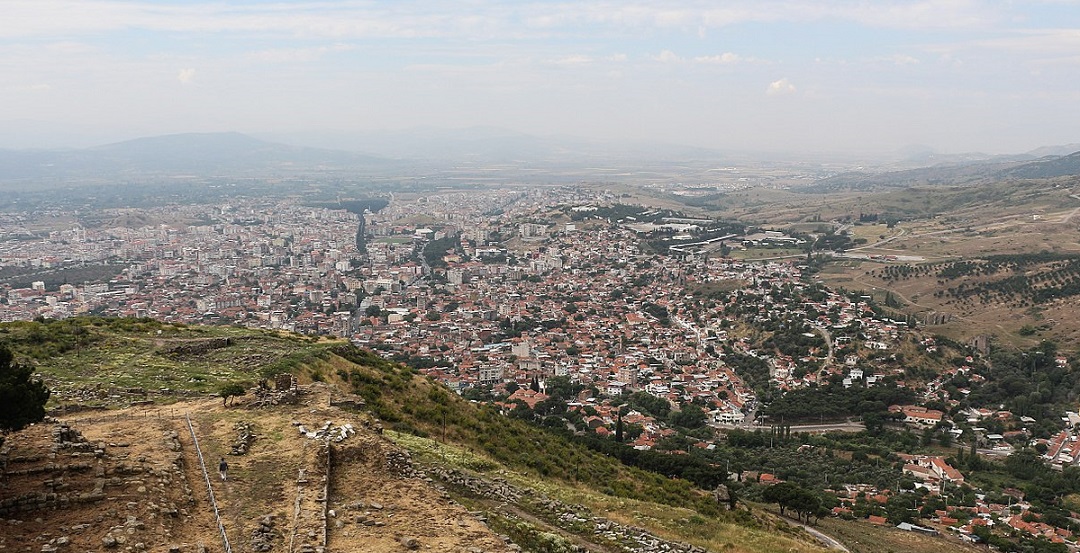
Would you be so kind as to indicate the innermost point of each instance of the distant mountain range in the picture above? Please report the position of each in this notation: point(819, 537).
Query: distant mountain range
point(1048, 167)
point(417, 151)
point(182, 154)
point(393, 152)
point(494, 145)
point(1023, 166)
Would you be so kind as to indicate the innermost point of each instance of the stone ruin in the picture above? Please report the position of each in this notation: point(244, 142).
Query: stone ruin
point(198, 347)
point(937, 318)
point(399, 464)
point(65, 433)
point(265, 534)
point(284, 381)
point(347, 401)
point(70, 441)
point(285, 391)
point(327, 431)
point(70, 454)
point(245, 436)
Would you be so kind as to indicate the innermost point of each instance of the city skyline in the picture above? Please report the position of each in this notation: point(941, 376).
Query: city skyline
point(825, 76)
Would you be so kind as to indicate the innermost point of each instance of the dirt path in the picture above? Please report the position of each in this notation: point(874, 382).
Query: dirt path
point(195, 483)
point(828, 541)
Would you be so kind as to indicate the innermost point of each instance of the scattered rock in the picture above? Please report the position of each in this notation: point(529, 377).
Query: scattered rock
point(244, 438)
point(264, 534)
point(399, 463)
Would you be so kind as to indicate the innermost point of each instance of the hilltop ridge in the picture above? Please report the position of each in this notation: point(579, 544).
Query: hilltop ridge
point(133, 479)
point(318, 474)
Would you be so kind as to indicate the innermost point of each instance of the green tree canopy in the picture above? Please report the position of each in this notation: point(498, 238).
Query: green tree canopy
point(22, 397)
point(231, 390)
point(690, 416)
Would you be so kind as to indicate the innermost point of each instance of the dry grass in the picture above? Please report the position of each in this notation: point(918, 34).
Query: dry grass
point(767, 535)
point(863, 537)
point(265, 481)
point(938, 241)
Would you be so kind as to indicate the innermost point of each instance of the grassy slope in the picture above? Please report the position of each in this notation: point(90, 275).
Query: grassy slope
point(866, 538)
point(113, 361)
point(105, 357)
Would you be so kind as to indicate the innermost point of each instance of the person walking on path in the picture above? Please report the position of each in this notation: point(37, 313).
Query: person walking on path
point(223, 467)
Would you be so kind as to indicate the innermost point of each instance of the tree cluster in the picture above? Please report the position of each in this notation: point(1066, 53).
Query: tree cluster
point(22, 397)
point(804, 502)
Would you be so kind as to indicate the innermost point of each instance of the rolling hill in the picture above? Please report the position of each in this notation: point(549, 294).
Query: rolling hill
point(186, 154)
point(970, 173)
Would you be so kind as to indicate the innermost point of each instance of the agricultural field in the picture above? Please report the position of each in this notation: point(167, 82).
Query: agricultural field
point(915, 237)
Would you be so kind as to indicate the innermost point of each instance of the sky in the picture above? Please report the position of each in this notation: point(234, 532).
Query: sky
point(788, 75)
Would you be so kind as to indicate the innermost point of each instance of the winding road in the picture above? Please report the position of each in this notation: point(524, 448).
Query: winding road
point(825, 539)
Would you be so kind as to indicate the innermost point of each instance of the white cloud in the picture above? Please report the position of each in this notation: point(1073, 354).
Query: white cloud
point(295, 55)
point(482, 19)
point(185, 75)
point(1042, 42)
point(780, 88)
point(573, 60)
point(725, 58)
point(902, 59)
point(666, 56)
point(699, 16)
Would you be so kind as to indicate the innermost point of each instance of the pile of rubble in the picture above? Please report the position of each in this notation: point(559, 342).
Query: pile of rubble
point(245, 436)
point(367, 514)
point(66, 438)
point(126, 534)
point(399, 463)
point(493, 489)
point(327, 431)
point(264, 534)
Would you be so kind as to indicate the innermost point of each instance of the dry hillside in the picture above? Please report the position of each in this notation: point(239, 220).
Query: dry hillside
point(131, 480)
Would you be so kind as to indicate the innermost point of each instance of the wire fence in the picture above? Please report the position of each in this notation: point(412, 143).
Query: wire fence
point(326, 497)
point(209, 487)
point(93, 417)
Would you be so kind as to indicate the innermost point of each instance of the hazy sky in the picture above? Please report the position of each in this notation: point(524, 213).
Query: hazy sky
point(958, 75)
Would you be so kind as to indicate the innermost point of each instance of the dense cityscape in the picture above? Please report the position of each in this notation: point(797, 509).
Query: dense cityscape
point(540, 277)
point(563, 301)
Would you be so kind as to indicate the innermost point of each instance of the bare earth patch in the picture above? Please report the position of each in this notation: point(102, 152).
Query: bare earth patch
point(130, 480)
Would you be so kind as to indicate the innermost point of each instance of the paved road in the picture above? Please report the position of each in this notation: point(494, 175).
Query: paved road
point(850, 426)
